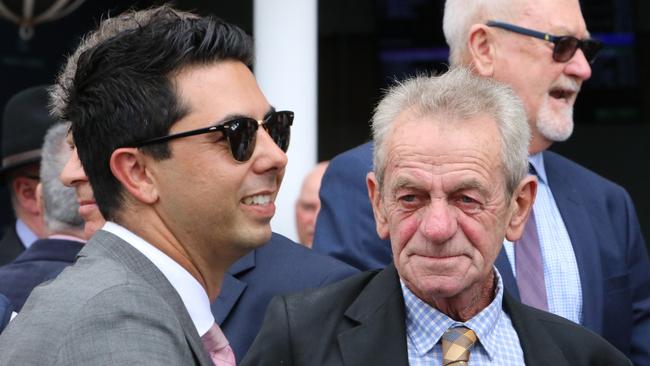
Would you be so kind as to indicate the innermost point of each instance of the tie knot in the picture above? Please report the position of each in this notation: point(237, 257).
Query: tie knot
point(456, 344)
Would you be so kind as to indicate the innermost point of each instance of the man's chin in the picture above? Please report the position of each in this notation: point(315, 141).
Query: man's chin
point(556, 126)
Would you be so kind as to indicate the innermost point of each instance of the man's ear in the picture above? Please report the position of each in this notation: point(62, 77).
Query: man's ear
point(39, 197)
point(374, 193)
point(521, 206)
point(482, 49)
point(129, 166)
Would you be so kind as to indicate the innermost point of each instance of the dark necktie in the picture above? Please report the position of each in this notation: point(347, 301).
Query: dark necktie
point(456, 344)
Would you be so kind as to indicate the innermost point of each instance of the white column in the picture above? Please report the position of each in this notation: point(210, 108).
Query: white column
point(285, 33)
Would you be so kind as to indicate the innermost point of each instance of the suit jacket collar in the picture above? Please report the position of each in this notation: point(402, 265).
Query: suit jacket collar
point(51, 250)
point(582, 232)
point(378, 332)
point(105, 244)
point(538, 346)
point(232, 287)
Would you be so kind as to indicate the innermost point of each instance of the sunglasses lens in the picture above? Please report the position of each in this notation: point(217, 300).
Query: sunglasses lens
point(565, 48)
point(590, 48)
point(241, 137)
point(279, 128)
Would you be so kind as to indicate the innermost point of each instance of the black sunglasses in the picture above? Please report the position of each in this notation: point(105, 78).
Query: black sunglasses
point(241, 133)
point(564, 46)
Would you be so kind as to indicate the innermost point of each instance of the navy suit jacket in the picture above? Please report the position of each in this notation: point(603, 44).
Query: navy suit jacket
point(10, 245)
point(277, 268)
point(42, 261)
point(598, 214)
point(5, 311)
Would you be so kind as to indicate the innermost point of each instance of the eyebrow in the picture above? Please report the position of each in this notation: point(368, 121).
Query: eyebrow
point(403, 182)
point(471, 184)
point(233, 116)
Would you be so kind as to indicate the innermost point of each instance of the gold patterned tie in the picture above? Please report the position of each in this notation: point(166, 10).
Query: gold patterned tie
point(456, 343)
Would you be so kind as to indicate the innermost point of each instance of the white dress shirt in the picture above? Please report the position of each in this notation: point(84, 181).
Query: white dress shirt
point(193, 295)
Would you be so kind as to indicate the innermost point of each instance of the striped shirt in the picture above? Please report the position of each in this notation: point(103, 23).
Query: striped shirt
point(498, 343)
point(561, 276)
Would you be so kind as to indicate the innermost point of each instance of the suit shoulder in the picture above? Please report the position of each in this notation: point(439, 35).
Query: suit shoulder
point(576, 172)
point(305, 258)
point(576, 342)
point(74, 306)
point(282, 254)
point(338, 295)
point(358, 156)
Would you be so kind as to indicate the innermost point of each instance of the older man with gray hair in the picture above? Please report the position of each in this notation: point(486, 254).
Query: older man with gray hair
point(450, 183)
point(583, 256)
point(46, 258)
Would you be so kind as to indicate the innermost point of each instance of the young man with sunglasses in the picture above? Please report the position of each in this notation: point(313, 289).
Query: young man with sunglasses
point(183, 199)
point(594, 263)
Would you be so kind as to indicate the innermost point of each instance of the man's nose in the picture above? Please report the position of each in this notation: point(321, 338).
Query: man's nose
point(439, 222)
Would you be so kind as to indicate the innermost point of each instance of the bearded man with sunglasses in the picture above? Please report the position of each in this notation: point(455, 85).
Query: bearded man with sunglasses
point(594, 263)
point(185, 157)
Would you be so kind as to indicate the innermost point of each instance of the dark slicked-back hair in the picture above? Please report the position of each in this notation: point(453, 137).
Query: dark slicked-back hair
point(122, 91)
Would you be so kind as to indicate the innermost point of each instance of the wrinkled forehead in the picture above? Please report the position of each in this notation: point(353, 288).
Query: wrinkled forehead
point(558, 17)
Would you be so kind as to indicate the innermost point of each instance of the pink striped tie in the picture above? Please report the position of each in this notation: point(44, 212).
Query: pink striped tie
point(217, 346)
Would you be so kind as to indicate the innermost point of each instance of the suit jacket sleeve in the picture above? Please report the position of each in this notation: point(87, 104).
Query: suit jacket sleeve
point(639, 272)
point(125, 325)
point(272, 346)
point(345, 228)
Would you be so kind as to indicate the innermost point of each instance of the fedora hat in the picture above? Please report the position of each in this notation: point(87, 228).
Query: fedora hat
point(25, 121)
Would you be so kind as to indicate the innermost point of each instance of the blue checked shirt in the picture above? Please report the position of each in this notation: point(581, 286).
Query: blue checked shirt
point(563, 289)
point(498, 343)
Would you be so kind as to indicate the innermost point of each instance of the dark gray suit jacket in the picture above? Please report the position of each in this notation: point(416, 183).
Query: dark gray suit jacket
point(112, 307)
point(361, 321)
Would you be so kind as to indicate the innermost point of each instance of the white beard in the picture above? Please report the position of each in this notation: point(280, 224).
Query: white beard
point(554, 125)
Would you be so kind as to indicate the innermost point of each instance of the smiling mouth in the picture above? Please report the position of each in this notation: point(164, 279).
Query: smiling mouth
point(257, 200)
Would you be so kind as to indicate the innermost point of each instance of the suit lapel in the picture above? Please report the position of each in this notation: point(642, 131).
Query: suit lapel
point(583, 239)
point(232, 287)
point(107, 244)
point(379, 338)
point(505, 270)
point(536, 343)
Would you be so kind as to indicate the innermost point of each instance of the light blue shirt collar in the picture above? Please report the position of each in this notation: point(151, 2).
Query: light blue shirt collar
point(427, 324)
point(537, 161)
point(26, 236)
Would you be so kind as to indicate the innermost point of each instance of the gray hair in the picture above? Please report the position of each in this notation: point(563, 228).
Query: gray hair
point(457, 93)
point(107, 28)
point(460, 15)
point(60, 202)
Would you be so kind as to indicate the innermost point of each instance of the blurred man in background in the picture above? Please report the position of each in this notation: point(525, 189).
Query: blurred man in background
point(64, 228)
point(308, 204)
point(25, 121)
